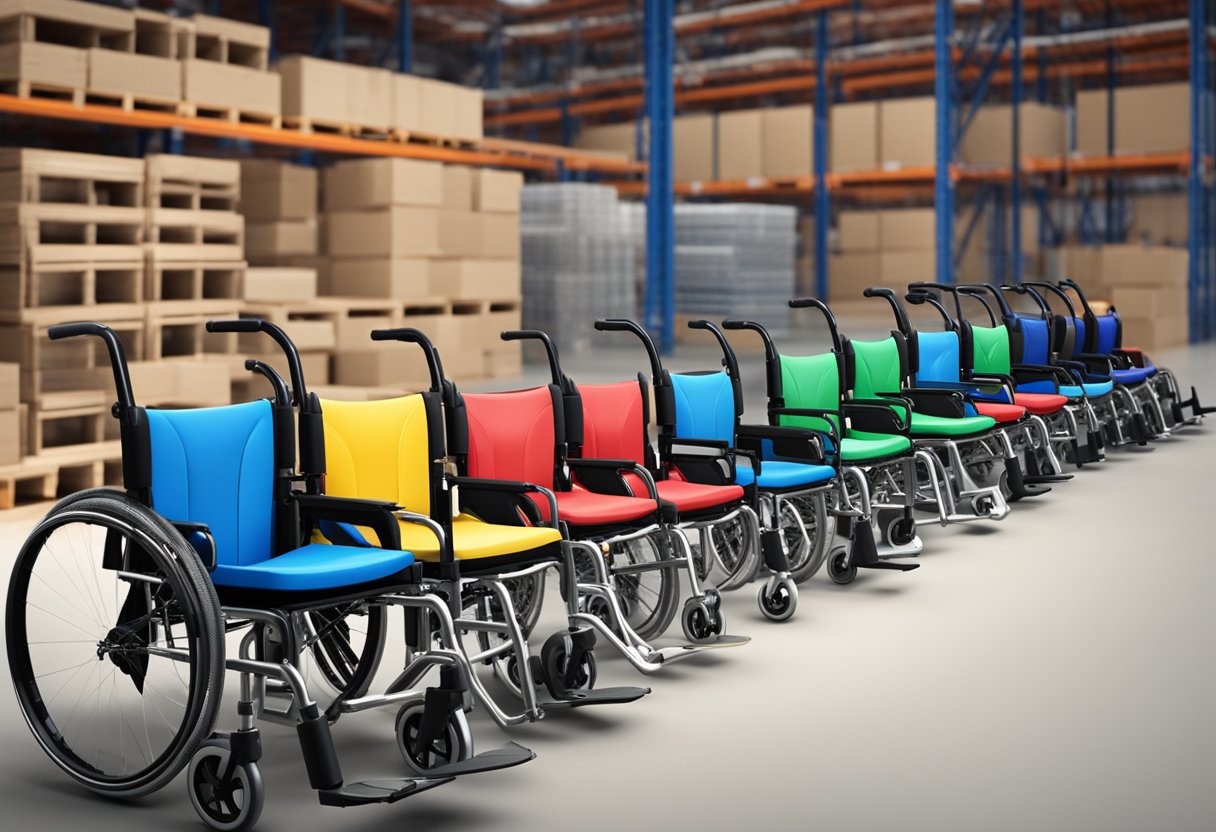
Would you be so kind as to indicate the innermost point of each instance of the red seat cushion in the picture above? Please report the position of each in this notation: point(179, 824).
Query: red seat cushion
point(694, 496)
point(580, 507)
point(1000, 412)
point(1041, 404)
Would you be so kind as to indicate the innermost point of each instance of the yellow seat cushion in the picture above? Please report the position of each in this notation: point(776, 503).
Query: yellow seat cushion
point(473, 539)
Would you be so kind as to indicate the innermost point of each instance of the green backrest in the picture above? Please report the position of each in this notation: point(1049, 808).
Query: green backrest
point(876, 368)
point(991, 349)
point(813, 382)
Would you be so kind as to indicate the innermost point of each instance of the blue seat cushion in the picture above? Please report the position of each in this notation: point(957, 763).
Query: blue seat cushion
point(780, 475)
point(1135, 375)
point(1073, 391)
point(315, 566)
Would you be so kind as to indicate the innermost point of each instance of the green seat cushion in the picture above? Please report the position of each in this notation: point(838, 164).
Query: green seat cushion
point(861, 446)
point(925, 425)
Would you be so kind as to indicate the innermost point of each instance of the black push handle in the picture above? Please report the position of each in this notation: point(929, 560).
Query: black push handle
point(978, 294)
point(770, 349)
point(1022, 289)
point(816, 303)
point(901, 317)
point(918, 298)
point(931, 287)
point(409, 335)
point(282, 396)
point(1055, 290)
point(1069, 283)
point(728, 354)
point(280, 337)
point(118, 357)
point(992, 290)
point(627, 325)
point(555, 365)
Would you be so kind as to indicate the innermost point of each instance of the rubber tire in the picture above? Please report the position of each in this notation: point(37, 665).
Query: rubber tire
point(780, 605)
point(664, 609)
point(701, 625)
point(209, 634)
point(250, 776)
point(837, 571)
point(457, 736)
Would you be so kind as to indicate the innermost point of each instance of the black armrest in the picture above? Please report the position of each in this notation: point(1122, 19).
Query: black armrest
point(830, 418)
point(957, 386)
point(945, 403)
point(893, 400)
point(1006, 383)
point(717, 444)
point(1095, 364)
point(1027, 373)
point(875, 418)
point(475, 485)
point(375, 514)
point(797, 443)
point(204, 546)
point(1076, 369)
point(615, 466)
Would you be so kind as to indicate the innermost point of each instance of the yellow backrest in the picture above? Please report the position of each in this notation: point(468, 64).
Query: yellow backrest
point(378, 450)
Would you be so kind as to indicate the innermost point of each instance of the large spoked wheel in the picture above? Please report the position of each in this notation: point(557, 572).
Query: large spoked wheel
point(229, 800)
point(453, 744)
point(115, 643)
point(805, 560)
point(342, 649)
point(648, 593)
point(735, 548)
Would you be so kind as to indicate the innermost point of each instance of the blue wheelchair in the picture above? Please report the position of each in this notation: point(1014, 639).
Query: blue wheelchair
point(121, 600)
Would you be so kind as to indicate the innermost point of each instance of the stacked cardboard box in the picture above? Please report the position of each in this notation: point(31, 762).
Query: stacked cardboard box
point(1160, 219)
point(1148, 119)
point(989, 138)
point(12, 440)
point(907, 136)
point(279, 203)
point(853, 137)
point(225, 70)
point(854, 264)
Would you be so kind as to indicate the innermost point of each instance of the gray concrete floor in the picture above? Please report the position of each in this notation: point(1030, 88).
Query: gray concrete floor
point(1053, 672)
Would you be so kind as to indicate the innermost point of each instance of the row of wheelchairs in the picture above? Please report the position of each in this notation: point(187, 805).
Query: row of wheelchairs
point(295, 524)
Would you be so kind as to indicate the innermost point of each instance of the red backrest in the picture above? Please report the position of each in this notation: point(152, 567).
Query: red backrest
point(511, 435)
point(614, 421)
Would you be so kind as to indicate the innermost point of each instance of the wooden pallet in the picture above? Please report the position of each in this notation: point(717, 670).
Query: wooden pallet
point(53, 176)
point(185, 234)
point(130, 102)
point(82, 25)
point(174, 332)
point(310, 126)
point(229, 42)
point(350, 319)
point(59, 472)
point(36, 89)
point(55, 366)
point(432, 139)
point(71, 418)
point(171, 281)
point(71, 233)
point(230, 115)
point(55, 292)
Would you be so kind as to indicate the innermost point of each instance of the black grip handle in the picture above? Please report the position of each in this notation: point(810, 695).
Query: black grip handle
point(734, 324)
point(118, 358)
point(237, 325)
point(281, 395)
point(627, 325)
point(877, 292)
point(409, 335)
point(816, 303)
point(555, 364)
point(280, 337)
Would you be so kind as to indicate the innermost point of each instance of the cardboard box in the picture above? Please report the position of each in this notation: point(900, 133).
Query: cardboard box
point(462, 233)
point(1153, 119)
point(437, 108)
point(1136, 302)
point(858, 231)
point(476, 279)
point(242, 43)
point(280, 283)
point(506, 360)
point(267, 240)
point(907, 229)
point(989, 138)
point(1160, 219)
point(468, 104)
point(496, 322)
point(458, 188)
point(314, 89)
point(850, 273)
point(1156, 333)
point(405, 369)
point(399, 231)
point(1091, 121)
point(400, 279)
point(210, 85)
point(617, 139)
point(788, 141)
point(308, 334)
point(354, 332)
point(853, 136)
point(907, 131)
point(406, 102)
point(359, 184)
point(44, 64)
point(10, 437)
point(142, 76)
point(1080, 263)
point(1148, 266)
point(500, 236)
point(272, 190)
point(899, 268)
point(10, 385)
point(740, 144)
point(496, 191)
point(369, 97)
point(692, 142)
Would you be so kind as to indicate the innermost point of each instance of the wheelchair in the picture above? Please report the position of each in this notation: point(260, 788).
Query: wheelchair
point(710, 502)
point(805, 394)
point(965, 452)
point(616, 540)
point(120, 602)
point(1155, 388)
point(975, 360)
point(393, 451)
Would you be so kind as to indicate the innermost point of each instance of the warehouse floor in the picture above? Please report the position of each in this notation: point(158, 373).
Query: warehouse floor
point(1051, 672)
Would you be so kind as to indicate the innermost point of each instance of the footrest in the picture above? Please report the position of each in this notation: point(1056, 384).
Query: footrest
point(886, 564)
point(598, 696)
point(671, 654)
point(388, 790)
point(1030, 489)
point(1039, 479)
point(511, 754)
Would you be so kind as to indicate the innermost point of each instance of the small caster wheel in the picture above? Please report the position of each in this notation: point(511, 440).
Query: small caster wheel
point(840, 568)
point(453, 745)
point(701, 623)
point(982, 506)
point(779, 605)
point(555, 655)
point(896, 530)
point(231, 806)
point(507, 671)
point(599, 607)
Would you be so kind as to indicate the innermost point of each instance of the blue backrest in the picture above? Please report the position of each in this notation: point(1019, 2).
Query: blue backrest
point(1035, 340)
point(705, 406)
point(1079, 324)
point(215, 465)
point(939, 356)
point(1108, 334)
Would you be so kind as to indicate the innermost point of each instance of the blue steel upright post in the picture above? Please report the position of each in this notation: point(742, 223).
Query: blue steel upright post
point(822, 198)
point(405, 36)
point(943, 93)
point(659, 40)
point(1015, 183)
point(1200, 289)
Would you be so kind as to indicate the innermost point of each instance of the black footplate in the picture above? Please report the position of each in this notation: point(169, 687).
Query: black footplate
point(387, 790)
point(1039, 479)
point(511, 754)
point(887, 564)
point(598, 696)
